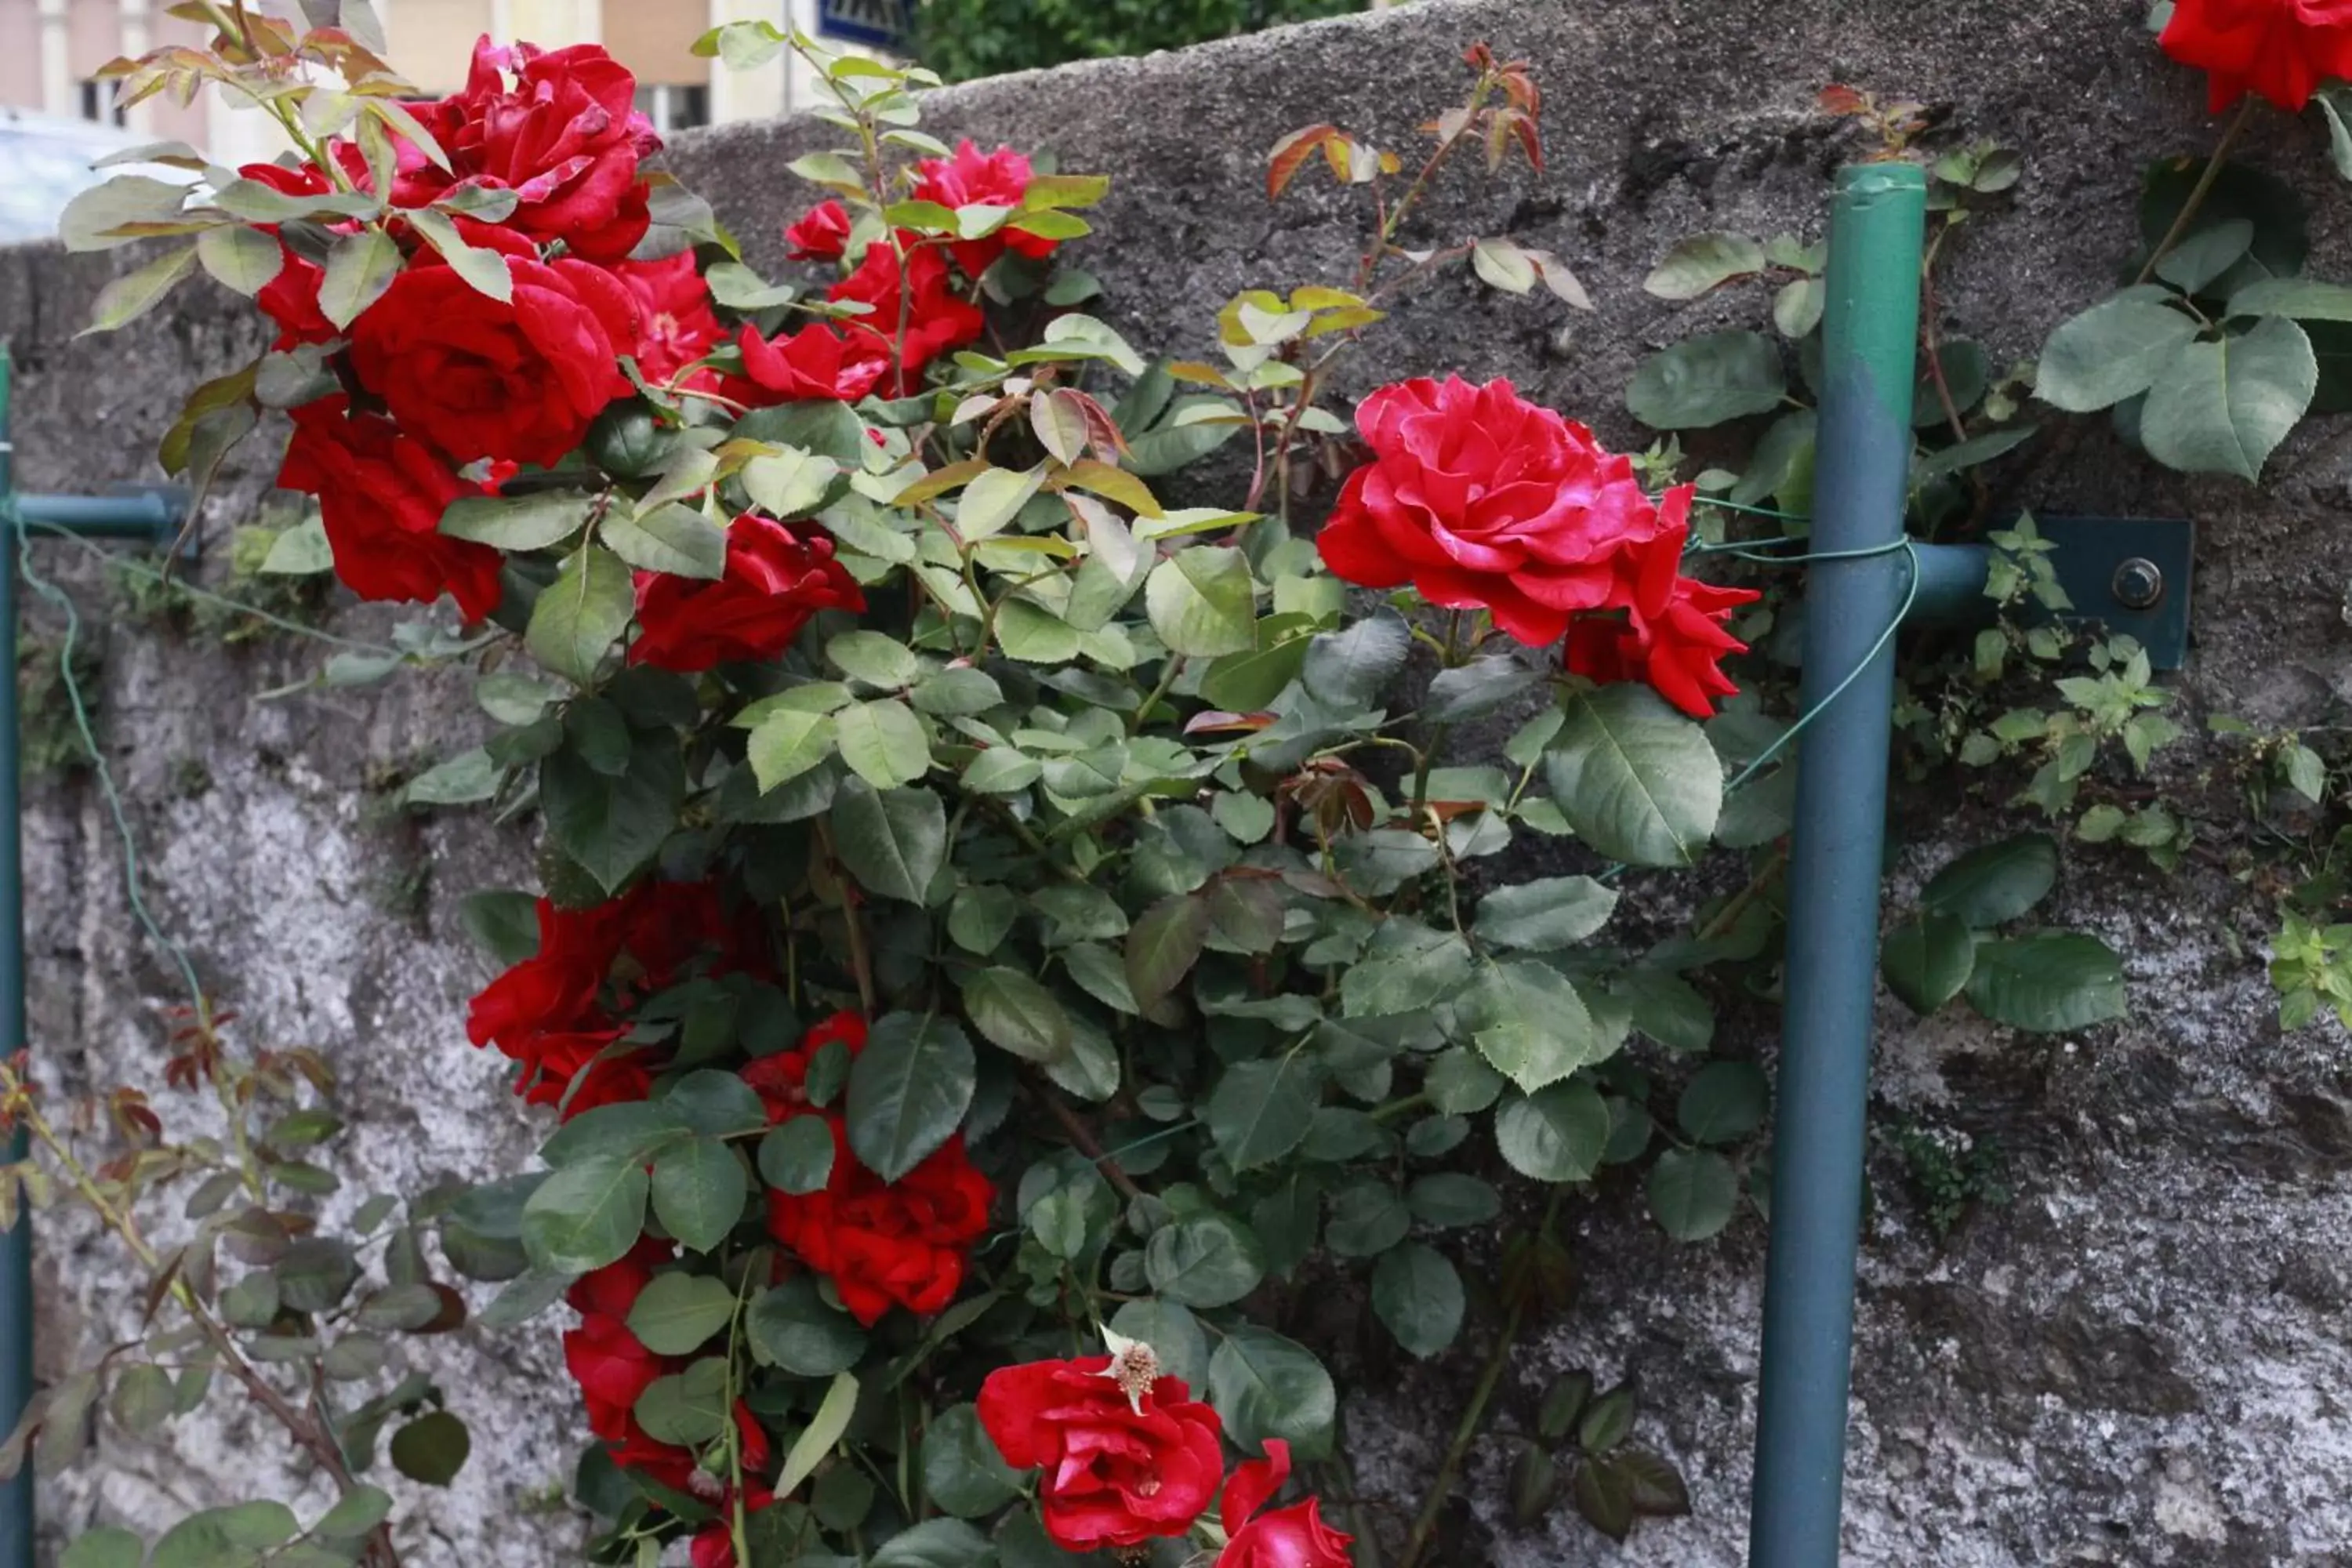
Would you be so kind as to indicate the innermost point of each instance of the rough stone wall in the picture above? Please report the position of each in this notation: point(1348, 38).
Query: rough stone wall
point(2142, 1360)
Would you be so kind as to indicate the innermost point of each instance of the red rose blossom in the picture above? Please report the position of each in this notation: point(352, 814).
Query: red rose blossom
point(559, 1012)
point(565, 136)
point(821, 235)
point(1672, 635)
point(603, 1357)
point(676, 325)
point(1293, 1537)
point(775, 580)
point(381, 497)
point(971, 178)
point(2282, 49)
point(476, 378)
point(1483, 501)
point(817, 362)
point(935, 319)
point(899, 1243)
point(1121, 1463)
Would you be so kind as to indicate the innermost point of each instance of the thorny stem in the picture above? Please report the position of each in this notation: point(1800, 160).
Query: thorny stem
point(1437, 733)
point(1467, 1431)
point(1086, 1144)
point(310, 1433)
point(2204, 188)
point(861, 963)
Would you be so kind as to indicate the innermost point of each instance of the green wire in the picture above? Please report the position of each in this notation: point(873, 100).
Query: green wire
point(12, 515)
point(207, 597)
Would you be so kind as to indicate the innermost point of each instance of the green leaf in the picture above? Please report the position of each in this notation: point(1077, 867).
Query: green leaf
point(2336, 103)
point(238, 258)
point(1995, 883)
point(461, 780)
point(883, 742)
point(1350, 669)
point(1162, 947)
point(1264, 1385)
point(797, 1156)
point(1261, 1109)
point(2305, 298)
point(991, 501)
point(2206, 255)
point(1405, 970)
point(108, 1546)
point(586, 1215)
point(611, 826)
point(134, 294)
point(789, 484)
point(878, 659)
point(1448, 1200)
point(360, 267)
point(1545, 915)
point(1707, 380)
point(675, 1314)
point(1703, 262)
point(937, 1543)
point(687, 1408)
point(1556, 1135)
point(1926, 961)
point(1016, 1014)
point(1208, 1260)
point(2048, 983)
point(2114, 350)
point(519, 522)
point(1724, 1103)
point(579, 614)
point(1418, 1296)
point(673, 539)
point(2223, 407)
point(355, 1513)
point(142, 1398)
point(792, 1328)
point(484, 270)
point(787, 742)
point(817, 1439)
point(892, 841)
point(1034, 635)
point(909, 1091)
point(697, 1191)
point(1367, 1219)
point(229, 1537)
point(1692, 1193)
point(957, 693)
point(1532, 1026)
point(1636, 780)
point(1202, 602)
point(432, 1448)
point(963, 1475)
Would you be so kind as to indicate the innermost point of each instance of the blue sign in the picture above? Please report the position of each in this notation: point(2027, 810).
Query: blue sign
point(878, 23)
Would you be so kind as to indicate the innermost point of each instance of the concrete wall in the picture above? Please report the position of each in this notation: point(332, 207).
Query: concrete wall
point(2143, 1361)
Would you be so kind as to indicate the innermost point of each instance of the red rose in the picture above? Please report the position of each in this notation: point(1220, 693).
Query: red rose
point(821, 235)
point(817, 362)
point(381, 496)
point(566, 138)
point(913, 321)
point(776, 579)
point(476, 378)
point(603, 1357)
point(550, 1012)
point(1672, 635)
point(880, 1242)
point(714, 1544)
point(1125, 1458)
point(1482, 500)
point(675, 323)
point(885, 1243)
point(970, 178)
point(2281, 48)
point(1293, 1537)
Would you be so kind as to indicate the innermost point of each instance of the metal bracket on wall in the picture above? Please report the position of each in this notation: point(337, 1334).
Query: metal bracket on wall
point(2130, 574)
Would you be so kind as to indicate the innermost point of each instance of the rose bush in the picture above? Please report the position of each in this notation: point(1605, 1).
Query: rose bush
point(984, 905)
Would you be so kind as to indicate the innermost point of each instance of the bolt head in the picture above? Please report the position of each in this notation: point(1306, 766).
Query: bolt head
point(2138, 583)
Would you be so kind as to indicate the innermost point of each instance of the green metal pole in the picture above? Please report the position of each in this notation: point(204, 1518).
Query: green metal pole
point(1870, 333)
point(16, 1242)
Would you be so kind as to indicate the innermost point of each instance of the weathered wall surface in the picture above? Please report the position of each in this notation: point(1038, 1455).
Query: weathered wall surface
point(2144, 1361)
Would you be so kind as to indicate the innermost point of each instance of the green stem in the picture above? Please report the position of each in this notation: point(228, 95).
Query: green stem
point(1168, 678)
point(2204, 188)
